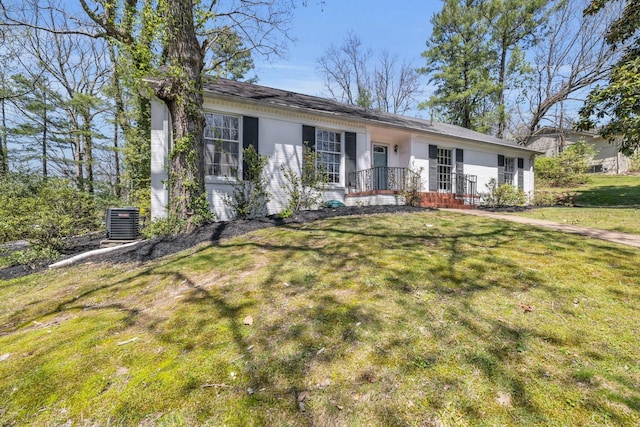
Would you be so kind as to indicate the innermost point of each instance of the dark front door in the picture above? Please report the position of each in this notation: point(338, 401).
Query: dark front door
point(380, 167)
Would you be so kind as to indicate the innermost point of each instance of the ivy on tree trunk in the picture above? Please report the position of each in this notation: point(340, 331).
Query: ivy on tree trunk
point(181, 90)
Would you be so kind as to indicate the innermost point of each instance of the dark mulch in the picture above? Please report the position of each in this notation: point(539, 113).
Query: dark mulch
point(213, 233)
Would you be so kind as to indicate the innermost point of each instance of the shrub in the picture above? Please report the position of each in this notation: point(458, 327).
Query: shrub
point(250, 195)
point(568, 168)
point(286, 213)
point(554, 198)
point(163, 227)
point(304, 190)
point(45, 212)
point(503, 195)
point(31, 256)
point(412, 188)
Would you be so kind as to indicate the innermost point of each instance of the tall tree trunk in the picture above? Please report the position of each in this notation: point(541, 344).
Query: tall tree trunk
point(4, 149)
point(116, 158)
point(120, 116)
point(77, 156)
point(44, 135)
point(181, 90)
point(87, 148)
point(502, 118)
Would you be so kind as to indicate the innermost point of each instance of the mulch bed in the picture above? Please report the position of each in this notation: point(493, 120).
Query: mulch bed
point(212, 232)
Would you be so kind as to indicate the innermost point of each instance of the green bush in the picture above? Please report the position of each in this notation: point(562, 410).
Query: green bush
point(163, 227)
point(44, 212)
point(503, 195)
point(304, 190)
point(250, 195)
point(567, 169)
point(553, 198)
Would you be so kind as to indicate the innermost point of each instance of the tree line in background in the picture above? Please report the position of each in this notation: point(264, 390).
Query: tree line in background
point(77, 78)
point(502, 67)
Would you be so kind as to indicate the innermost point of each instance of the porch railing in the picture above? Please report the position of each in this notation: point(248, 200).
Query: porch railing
point(383, 178)
point(466, 188)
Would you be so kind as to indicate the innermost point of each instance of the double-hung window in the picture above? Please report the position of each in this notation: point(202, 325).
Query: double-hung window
point(221, 145)
point(445, 168)
point(329, 150)
point(509, 169)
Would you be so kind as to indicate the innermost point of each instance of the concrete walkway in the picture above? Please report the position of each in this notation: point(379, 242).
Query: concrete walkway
point(610, 236)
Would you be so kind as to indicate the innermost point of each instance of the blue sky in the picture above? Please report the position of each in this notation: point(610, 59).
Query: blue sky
point(401, 28)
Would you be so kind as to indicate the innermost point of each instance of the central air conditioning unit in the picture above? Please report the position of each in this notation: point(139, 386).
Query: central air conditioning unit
point(123, 223)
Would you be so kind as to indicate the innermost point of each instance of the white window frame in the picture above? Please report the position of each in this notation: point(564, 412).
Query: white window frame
point(216, 137)
point(509, 170)
point(445, 170)
point(329, 154)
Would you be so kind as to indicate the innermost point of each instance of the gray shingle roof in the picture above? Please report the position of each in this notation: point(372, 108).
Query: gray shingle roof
point(282, 98)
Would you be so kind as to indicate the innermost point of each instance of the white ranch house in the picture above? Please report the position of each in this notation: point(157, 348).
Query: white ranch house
point(369, 155)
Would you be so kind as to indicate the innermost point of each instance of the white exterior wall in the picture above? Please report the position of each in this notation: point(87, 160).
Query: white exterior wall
point(280, 138)
point(419, 161)
point(160, 131)
point(481, 163)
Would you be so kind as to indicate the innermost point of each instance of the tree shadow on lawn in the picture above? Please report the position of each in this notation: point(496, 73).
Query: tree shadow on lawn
point(605, 196)
point(380, 313)
point(448, 282)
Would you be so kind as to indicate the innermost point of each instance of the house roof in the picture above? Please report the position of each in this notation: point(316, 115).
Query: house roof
point(550, 130)
point(281, 98)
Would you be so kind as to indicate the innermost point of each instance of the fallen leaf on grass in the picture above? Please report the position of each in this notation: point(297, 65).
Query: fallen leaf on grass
point(504, 399)
point(325, 383)
point(303, 395)
point(526, 307)
point(4, 357)
point(248, 321)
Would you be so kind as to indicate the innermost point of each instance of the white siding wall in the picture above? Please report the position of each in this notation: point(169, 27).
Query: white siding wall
point(281, 141)
point(280, 138)
point(160, 130)
point(419, 161)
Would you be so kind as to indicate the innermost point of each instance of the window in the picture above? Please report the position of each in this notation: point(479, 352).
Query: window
point(445, 166)
point(328, 148)
point(509, 169)
point(222, 145)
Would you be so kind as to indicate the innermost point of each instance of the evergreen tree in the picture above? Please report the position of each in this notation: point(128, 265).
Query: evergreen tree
point(459, 61)
point(475, 56)
point(513, 25)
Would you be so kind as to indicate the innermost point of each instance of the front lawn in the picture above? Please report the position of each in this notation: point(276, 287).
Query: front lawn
point(604, 190)
point(625, 220)
point(428, 318)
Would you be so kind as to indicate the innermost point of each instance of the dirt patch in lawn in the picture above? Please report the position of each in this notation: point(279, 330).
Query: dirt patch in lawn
point(212, 233)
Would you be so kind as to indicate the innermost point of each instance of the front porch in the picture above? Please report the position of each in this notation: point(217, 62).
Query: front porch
point(391, 185)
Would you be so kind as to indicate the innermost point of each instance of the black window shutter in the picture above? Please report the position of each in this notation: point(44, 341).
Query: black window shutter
point(520, 173)
point(433, 151)
point(309, 137)
point(249, 138)
point(433, 167)
point(500, 169)
point(350, 158)
point(459, 161)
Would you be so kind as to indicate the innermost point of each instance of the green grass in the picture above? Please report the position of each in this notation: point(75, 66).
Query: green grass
point(625, 220)
point(606, 202)
point(415, 319)
point(605, 190)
